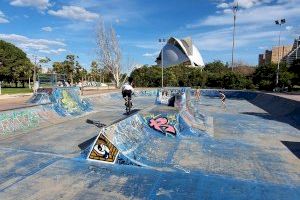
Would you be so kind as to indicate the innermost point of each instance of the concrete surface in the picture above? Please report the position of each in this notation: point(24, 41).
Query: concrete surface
point(245, 159)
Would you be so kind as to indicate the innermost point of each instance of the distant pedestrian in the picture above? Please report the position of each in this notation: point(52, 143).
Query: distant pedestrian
point(223, 99)
point(36, 86)
point(80, 87)
point(197, 93)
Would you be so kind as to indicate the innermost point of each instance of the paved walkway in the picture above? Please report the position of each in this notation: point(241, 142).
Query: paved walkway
point(295, 97)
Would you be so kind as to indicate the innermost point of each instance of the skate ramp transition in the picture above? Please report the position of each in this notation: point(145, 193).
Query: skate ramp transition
point(54, 105)
point(283, 109)
point(144, 139)
point(24, 119)
point(65, 100)
point(149, 138)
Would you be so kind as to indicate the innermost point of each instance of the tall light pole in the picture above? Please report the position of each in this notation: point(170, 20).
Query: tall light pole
point(278, 22)
point(0, 80)
point(234, 10)
point(162, 41)
point(297, 48)
point(34, 69)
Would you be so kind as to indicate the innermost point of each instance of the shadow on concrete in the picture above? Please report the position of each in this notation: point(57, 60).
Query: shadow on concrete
point(284, 119)
point(294, 147)
point(97, 123)
point(132, 112)
point(87, 143)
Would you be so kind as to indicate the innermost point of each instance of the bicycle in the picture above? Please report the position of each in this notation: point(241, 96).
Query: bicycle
point(128, 104)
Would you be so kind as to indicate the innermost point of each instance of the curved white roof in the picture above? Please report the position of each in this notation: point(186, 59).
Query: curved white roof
point(175, 52)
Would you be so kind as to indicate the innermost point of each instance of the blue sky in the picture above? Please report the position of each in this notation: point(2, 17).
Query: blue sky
point(55, 28)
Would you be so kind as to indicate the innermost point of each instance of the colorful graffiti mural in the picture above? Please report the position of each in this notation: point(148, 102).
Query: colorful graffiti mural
point(25, 119)
point(67, 101)
point(161, 124)
point(103, 150)
point(18, 120)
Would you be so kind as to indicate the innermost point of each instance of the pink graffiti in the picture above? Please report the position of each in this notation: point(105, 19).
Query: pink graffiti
point(161, 124)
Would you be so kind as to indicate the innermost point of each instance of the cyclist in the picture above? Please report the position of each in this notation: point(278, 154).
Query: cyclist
point(127, 90)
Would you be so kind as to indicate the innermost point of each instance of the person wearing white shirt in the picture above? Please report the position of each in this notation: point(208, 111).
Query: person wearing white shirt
point(127, 89)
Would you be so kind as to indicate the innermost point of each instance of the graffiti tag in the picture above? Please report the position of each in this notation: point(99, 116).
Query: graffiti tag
point(161, 124)
point(102, 149)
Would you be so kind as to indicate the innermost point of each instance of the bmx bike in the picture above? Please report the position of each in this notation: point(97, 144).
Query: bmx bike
point(128, 104)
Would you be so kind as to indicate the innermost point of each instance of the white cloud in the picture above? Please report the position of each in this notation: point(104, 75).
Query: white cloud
point(221, 39)
point(53, 51)
point(3, 18)
point(39, 4)
point(227, 11)
point(27, 44)
point(262, 47)
point(74, 12)
point(154, 54)
point(255, 15)
point(289, 28)
point(249, 3)
point(223, 5)
point(47, 29)
point(146, 44)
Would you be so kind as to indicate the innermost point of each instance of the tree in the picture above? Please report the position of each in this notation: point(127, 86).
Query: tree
point(265, 76)
point(58, 67)
point(79, 72)
point(108, 51)
point(216, 67)
point(295, 70)
point(94, 70)
point(15, 65)
point(69, 65)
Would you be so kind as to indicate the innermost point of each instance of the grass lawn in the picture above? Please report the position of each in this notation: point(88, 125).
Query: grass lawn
point(15, 90)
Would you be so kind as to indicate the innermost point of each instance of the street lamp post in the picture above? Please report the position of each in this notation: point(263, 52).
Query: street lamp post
point(278, 22)
point(234, 10)
point(297, 48)
point(162, 41)
point(0, 80)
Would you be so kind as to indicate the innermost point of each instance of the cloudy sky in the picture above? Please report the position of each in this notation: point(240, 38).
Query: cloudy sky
point(55, 28)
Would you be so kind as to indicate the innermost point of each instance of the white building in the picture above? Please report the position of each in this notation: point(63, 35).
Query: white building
point(180, 51)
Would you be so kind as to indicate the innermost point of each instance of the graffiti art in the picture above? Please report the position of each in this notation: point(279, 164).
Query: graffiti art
point(161, 124)
point(103, 150)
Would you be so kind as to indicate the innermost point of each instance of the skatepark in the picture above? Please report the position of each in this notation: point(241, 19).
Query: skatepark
point(63, 147)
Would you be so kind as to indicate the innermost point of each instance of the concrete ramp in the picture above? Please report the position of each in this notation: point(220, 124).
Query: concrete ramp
point(24, 119)
point(40, 98)
point(65, 100)
point(145, 139)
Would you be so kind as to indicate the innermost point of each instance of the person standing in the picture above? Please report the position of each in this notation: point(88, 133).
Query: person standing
point(197, 93)
point(36, 86)
point(80, 87)
point(223, 99)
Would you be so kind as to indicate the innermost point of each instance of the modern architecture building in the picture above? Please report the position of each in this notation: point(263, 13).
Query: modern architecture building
point(180, 51)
